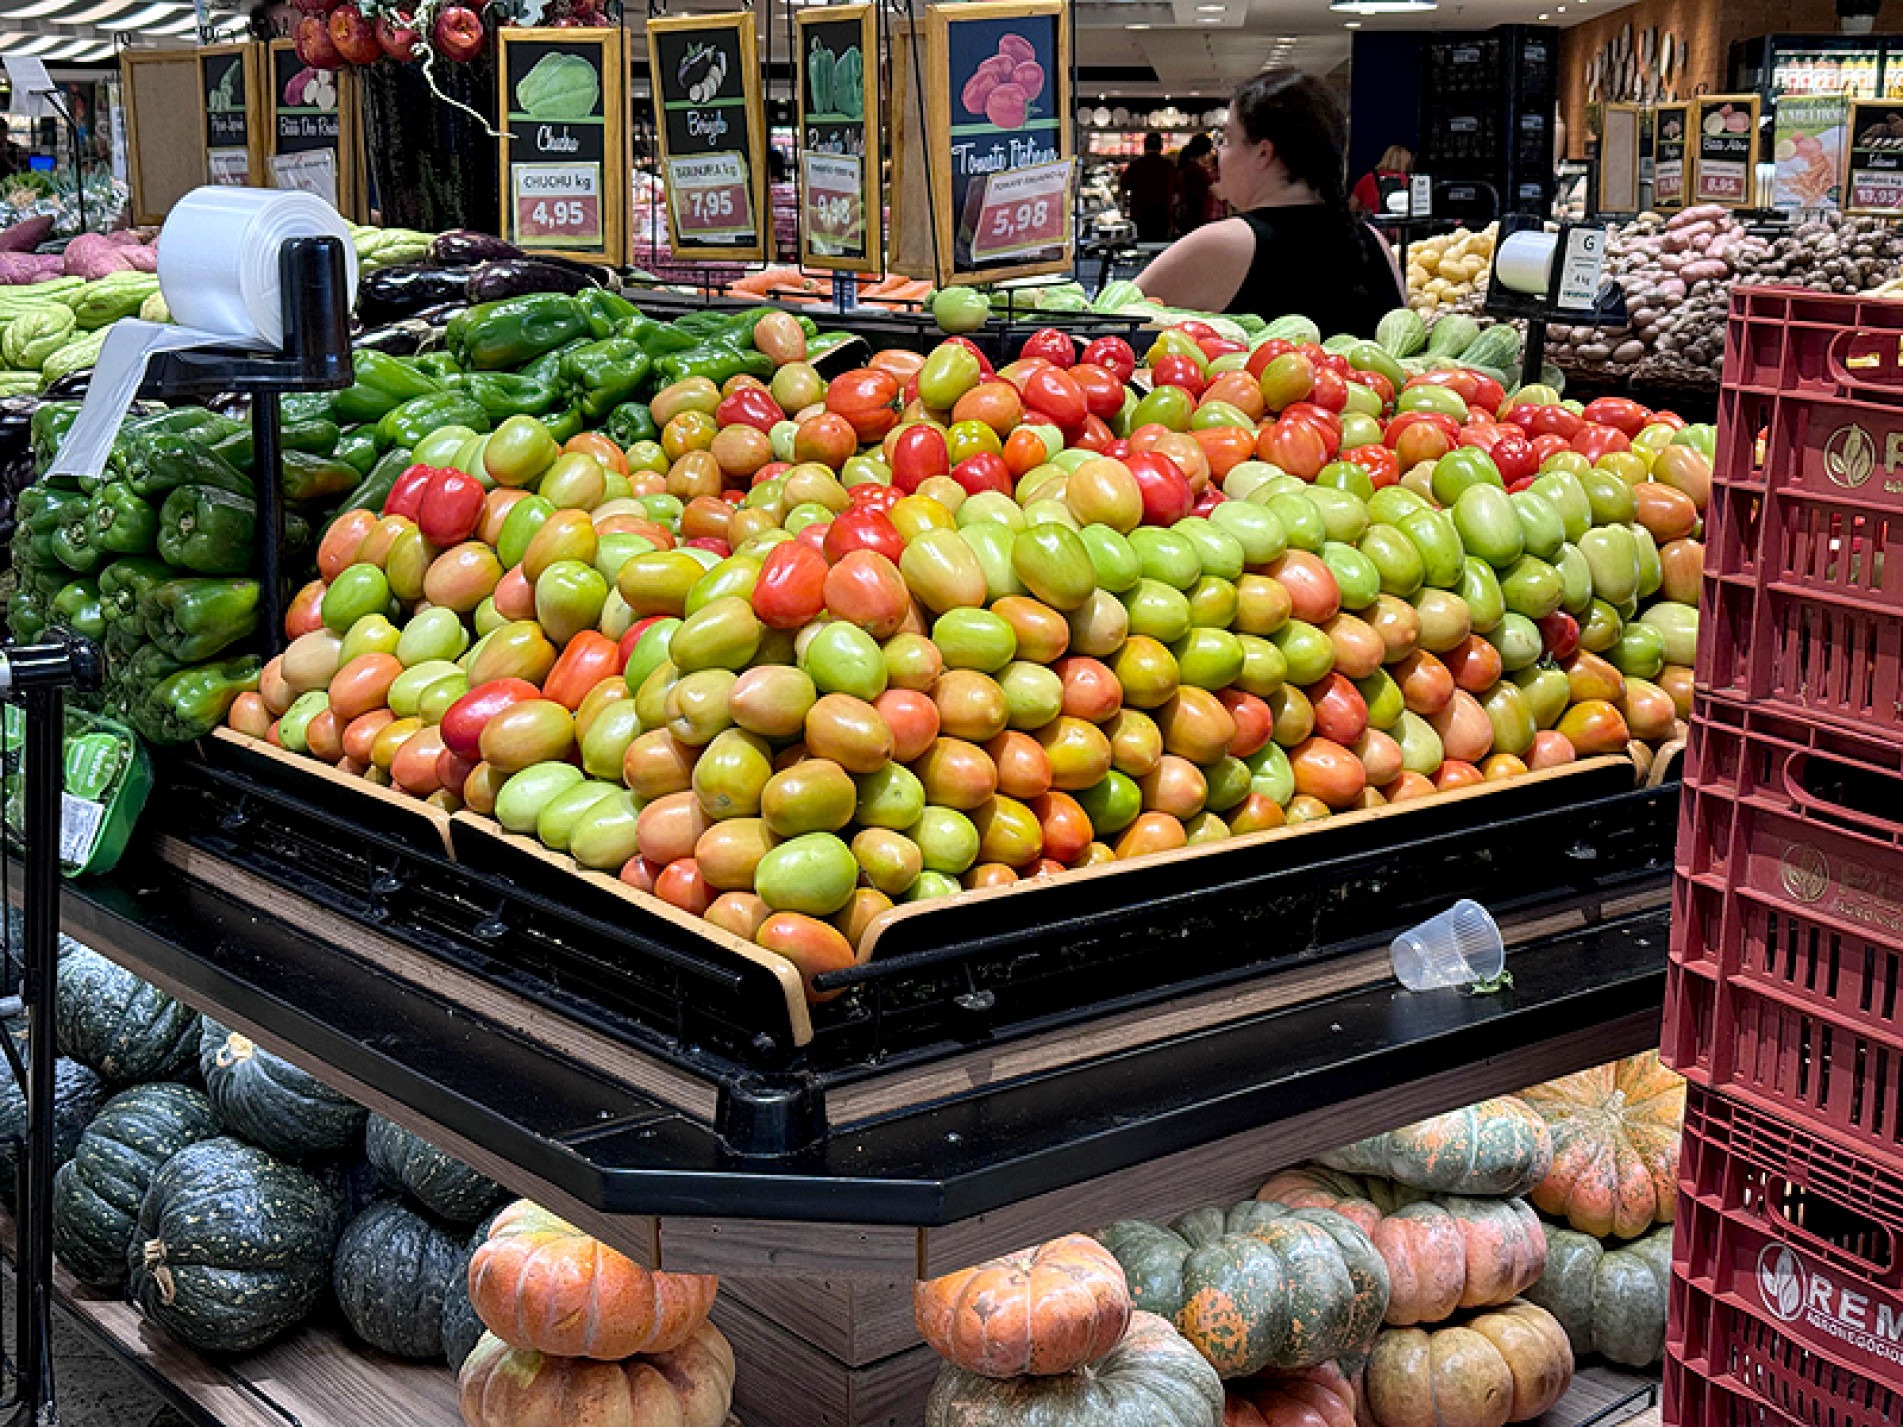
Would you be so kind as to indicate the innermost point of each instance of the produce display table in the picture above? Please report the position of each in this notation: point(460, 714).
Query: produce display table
point(1143, 1115)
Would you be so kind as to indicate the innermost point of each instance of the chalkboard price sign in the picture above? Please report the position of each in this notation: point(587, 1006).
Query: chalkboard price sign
point(313, 118)
point(1727, 139)
point(1001, 111)
point(706, 79)
point(1670, 139)
point(1874, 181)
point(841, 223)
point(564, 180)
point(228, 88)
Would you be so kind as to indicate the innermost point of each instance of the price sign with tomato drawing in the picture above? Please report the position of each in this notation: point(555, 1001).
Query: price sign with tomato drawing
point(1024, 211)
point(833, 193)
point(558, 205)
point(710, 196)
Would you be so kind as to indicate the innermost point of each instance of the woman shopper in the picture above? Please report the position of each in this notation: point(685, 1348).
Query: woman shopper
point(1293, 246)
point(1389, 177)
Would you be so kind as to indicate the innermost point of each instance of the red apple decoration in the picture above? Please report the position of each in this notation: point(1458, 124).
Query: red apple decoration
point(458, 33)
point(313, 44)
point(351, 33)
point(397, 38)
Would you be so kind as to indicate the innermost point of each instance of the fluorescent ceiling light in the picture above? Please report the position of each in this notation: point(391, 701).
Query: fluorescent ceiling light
point(184, 22)
point(1210, 9)
point(1136, 27)
point(39, 44)
point(35, 10)
point(1383, 7)
point(1351, 24)
point(105, 10)
point(145, 18)
point(71, 50)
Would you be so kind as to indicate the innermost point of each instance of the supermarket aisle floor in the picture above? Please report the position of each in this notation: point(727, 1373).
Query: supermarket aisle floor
point(94, 1388)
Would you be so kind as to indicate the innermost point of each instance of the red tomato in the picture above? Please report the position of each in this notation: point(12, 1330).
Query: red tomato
point(1332, 361)
point(1559, 632)
point(982, 472)
point(1208, 500)
point(1023, 450)
point(1195, 330)
point(1167, 497)
point(1093, 435)
point(1440, 421)
point(1058, 348)
point(1321, 418)
point(870, 495)
point(1669, 418)
point(1551, 444)
point(1480, 435)
point(918, 453)
point(1055, 393)
point(1214, 347)
point(791, 590)
point(1114, 355)
point(451, 508)
point(1377, 384)
point(760, 477)
point(1619, 412)
point(589, 658)
point(1266, 353)
point(1545, 420)
point(863, 527)
point(1592, 441)
point(813, 537)
point(1513, 454)
point(1330, 391)
point(1381, 464)
point(868, 399)
point(1119, 449)
point(1178, 371)
point(463, 723)
point(406, 496)
point(1296, 445)
point(1103, 391)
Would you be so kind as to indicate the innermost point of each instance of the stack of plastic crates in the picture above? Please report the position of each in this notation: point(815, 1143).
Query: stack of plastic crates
point(1782, 1006)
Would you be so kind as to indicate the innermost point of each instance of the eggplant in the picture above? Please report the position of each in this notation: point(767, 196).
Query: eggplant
point(402, 338)
point(438, 317)
point(516, 277)
point(464, 248)
point(390, 293)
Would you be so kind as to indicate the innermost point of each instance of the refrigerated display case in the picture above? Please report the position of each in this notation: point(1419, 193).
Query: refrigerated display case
point(1860, 66)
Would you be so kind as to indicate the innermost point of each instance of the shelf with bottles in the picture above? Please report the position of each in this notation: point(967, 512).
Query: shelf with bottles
point(1856, 73)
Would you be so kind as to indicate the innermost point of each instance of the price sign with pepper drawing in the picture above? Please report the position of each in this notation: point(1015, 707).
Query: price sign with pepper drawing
point(1000, 111)
point(841, 222)
point(564, 176)
point(230, 89)
point(712, 129)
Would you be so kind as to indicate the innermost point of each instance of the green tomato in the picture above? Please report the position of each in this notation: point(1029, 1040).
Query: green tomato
point(960, 309)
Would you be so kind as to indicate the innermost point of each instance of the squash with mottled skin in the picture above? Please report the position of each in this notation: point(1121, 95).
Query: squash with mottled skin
point(1609, 1297)
point(437, 1180)
point(391, 1276)
point(1483, 1369)
point(1318, 1397)
point(1036, 1313)
point(266, 1100)
point(125, 1029)
point(1498, 1146)
point(1615, 1135)
point(689, 1385)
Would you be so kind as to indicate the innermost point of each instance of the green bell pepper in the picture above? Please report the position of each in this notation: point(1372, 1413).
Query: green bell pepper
point(504, 336)
point(604, 374)
point(308, 476)
point(192, 619)
point(658, 339)
point(190, 703)
point(73, 544)
point(26, 616)
point(156, 465)
point(207, 531)
point(51, 421)
point(604, 311)
point(719, 362)
point(708, 324)
point(630, 422)
point(123, 640)
point(124, 584)
point(548, 366)
point(383, 384)
point(375, 488)
point(148, 666)
point(506, 394)
point(77, 608)
point(565, 425)
point(415, 419)
point(123, 523)
point(358, 450)
point(439, 364)
point(39, 512)
point(297, 407)
point(317, 438)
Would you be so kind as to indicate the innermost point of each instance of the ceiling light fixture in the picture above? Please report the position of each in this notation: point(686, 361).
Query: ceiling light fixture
point(1351, 24)
point(1136, 27)
point(102, 11)
point(1383, 7)
point(145, 18)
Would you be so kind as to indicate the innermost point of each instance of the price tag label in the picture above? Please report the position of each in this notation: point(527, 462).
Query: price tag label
point(230, 168)
point(1875, 188)
point(1025, 211)
point(710, 196)
point(1420, 194)
point(1581, 269)
point(1720, 182)
point(557, 205)
point(832, 191)
point(312, 171)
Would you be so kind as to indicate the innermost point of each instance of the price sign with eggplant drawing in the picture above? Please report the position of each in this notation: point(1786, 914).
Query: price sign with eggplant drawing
point(841, 222)
point(712, 128)
point(564, 178)
point(998, 76)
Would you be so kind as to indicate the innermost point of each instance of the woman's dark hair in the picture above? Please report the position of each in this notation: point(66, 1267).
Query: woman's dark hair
point(1298, 114)
point(1200, 147)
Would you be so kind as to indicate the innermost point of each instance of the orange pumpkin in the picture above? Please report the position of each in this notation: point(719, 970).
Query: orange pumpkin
point(540, 1283)
point(1317, 1397)
point(1444, 1252)
point(688, 1386)
point(1036, 1313)
point(1487, 1369)
point(1615, 1146)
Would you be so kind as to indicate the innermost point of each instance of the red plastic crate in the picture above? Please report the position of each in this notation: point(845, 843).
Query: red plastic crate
point(1787, 1276)
point(1804, 597)
point(1787, 934)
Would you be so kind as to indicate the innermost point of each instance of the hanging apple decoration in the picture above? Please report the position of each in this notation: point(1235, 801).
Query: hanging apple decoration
point(313, 44)
point(354, 36)
point(397, 37)
point(457, 33)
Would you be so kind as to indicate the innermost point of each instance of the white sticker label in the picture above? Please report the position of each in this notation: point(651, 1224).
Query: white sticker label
point(79, 822)
point(1420, 195)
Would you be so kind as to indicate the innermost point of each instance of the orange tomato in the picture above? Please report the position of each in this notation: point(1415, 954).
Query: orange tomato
point(602, 448)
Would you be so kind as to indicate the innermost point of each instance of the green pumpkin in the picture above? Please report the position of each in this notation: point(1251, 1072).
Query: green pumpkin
point(266, 1100)
point(1610, 1297)
point(1260, 1286)
point(77, 1096)
point(96, 1197)
point(1150, 1379)
point(462, 1328)
point(233, 1246)
point(126, 1029)
point(1500, 1146)
point(392, 1276)
point(439, 1181)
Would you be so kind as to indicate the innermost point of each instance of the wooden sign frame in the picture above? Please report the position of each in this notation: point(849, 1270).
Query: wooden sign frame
point(741, 23)
point(1687, 159)
point(873, 259)
point(133, 64)
point(939, 20)
point(613, 70)
point(350, 176)
point(1624, 118)
point(1853, 125)
point(1694, 135)
point(251, 54)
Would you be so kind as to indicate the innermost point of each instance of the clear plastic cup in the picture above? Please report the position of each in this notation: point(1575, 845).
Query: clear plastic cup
point(1457, 948)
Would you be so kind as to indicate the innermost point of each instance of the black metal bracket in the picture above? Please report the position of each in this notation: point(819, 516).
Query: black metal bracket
point(315, 284)
point(1540, 309)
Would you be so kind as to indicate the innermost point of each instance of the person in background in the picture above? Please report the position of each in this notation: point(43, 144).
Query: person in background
point(1145, 188)
point(1371, 194)
point(1196, 201)
point(1293, 246)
